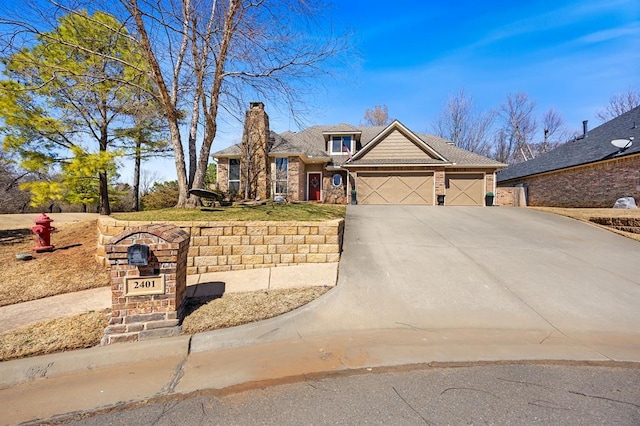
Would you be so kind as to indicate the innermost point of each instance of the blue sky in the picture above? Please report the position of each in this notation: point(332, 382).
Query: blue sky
point(412, 55)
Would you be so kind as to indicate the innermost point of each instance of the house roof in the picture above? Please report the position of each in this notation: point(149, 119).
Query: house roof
point(421, 152)
point(458, 156)
point(311, 143)
point(594, 148)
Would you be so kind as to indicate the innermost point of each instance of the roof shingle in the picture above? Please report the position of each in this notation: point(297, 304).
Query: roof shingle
point(311, 142)
point(595, 147)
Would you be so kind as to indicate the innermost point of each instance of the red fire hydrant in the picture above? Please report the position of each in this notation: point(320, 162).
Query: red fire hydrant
point(43, 230)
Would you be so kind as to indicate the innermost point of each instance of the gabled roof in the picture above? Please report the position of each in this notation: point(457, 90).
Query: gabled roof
point(427, 156)
point(311, 144)
point(585, 150)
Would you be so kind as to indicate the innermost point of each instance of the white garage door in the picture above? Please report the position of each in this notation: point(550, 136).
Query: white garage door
point(395, 188)
point(464, 190)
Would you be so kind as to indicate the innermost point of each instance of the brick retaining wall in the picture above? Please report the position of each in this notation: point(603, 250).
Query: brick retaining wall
point(227, 246)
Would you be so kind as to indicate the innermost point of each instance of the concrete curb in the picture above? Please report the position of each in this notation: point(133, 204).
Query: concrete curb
point(25, 370)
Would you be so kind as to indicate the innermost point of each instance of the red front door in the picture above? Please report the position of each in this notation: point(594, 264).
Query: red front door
point(314, 184)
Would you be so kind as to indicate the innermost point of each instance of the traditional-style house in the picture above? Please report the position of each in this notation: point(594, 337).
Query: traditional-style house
point(380, 164)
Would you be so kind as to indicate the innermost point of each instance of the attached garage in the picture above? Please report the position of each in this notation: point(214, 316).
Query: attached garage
point(464, 189)
point(395, 188)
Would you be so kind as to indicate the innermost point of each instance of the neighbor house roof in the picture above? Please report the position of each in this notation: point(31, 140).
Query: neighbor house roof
point(595, 147)
point(311, 143)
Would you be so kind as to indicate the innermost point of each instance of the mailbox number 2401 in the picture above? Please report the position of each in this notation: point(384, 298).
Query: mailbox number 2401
point(144, 284)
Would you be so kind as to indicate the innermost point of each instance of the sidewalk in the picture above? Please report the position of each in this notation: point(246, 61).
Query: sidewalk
point(315, 274)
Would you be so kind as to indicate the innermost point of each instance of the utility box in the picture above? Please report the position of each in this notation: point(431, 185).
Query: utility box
point(148, 282)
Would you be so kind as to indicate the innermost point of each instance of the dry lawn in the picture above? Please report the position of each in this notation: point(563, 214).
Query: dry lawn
point(86, 330)
point(58, 335)
point(241, 308)
point(71, 267)
point(586, 214)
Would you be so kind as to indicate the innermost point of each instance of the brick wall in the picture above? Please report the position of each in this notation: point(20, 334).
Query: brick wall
point(598, 185)
point(294, 187)
point(489, 182)
point(146, 316)
point(439, 181)
point(226, 246)
point(510, 197)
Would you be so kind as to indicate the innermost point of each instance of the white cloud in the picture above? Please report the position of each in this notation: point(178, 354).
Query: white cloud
point(632, 30)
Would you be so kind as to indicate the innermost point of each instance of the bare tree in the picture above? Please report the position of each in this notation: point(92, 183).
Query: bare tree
point(518, 127)
point(502, 147)
point(619, 104)
point(460, 123)
point(378, 116)
point(236, 52)
point(147, 180)
point(12, 198)
point(554, 133)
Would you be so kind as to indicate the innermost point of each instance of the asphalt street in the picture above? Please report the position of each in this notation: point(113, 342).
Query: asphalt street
point(489, 394)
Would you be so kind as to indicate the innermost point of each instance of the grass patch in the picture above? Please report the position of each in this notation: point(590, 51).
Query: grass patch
point(86, 330)
point(269, 212)
point(241, 308)
point(586, 214)
point(71, 267)
point(58, 335)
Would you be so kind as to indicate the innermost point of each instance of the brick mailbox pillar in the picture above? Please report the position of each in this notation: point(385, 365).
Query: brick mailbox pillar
point(148, 282)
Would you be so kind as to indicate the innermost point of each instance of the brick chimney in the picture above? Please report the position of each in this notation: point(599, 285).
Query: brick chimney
point(254, 160)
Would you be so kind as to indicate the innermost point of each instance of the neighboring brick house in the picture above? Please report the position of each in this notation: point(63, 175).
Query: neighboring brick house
point(383, 164)
point(588, 171)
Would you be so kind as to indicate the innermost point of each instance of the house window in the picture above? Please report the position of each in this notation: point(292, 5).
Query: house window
point(337, 179)
point(341, 145)
point(234, 175)
point(281, 175)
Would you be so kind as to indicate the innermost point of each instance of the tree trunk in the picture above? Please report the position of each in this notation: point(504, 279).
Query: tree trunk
point(105, 208)
point(181, 170)
point(193, 131)
point(211, 115)
point(168, 101)
point(136, 175)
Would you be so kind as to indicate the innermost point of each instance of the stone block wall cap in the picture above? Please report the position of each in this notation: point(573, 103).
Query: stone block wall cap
point(165, 231)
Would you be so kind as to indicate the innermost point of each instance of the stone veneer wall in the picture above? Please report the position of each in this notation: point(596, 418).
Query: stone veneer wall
point(596, 185)
point(227, 246)
point(334, 194)
point(222, 178)
point(255, 141)
point(295, 183)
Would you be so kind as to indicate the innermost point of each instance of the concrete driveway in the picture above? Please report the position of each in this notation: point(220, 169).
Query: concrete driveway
point(477, 276)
